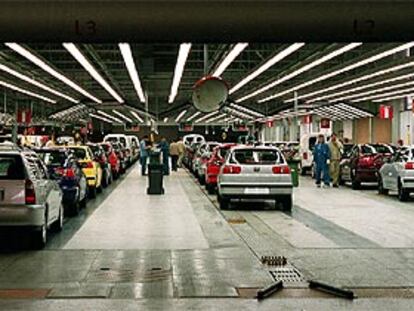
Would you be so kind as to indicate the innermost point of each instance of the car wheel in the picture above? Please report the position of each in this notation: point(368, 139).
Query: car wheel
point(403, 195)
point(83, 202)
point(303, 171)
point(210, 189)
point(202, 180)
point(381, 189)
point(40, 236)
point(57, 226)
point(286, 202)
point(224, 202)
point(356, 185)
point(92, 192)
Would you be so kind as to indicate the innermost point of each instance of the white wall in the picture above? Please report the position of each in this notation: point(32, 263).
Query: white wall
point(406, 127)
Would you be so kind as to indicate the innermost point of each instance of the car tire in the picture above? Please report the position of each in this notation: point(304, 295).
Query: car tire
point(223, 202)
point(210, 189)
point(57, 226)
point(83, 202)
point(303, 171)
point(381, 189)
point(286, 202)
point(73, 209)
point(356, 185)
point(403, 195)
point(39, 237)
point(92, 192)
point(202, 180)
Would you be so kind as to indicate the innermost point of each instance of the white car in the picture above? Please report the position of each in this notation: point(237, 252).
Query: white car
point(135, 149)
point(193, 138)
point(255, 173)
point(397, 174)
point(29, 198)
point(307, 144)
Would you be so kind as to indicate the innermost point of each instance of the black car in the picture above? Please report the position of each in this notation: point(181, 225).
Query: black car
point(63, 166)
point(100, 157)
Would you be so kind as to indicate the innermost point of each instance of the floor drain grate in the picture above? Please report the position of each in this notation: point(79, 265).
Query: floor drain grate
point(273, 260)
point(287, 275)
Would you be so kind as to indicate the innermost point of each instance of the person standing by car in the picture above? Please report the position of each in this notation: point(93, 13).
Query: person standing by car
point(335, 150)
point(174, 153)
point(144, 146)
point(321, 156)
point(181, 152)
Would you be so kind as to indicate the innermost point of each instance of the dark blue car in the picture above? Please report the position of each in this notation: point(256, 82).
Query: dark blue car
point(62, 165)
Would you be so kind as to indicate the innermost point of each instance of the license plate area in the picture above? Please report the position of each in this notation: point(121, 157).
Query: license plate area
point(256, 191)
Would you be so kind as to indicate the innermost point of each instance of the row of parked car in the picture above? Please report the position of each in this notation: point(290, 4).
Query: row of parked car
point(40, 186)
point(236, 171)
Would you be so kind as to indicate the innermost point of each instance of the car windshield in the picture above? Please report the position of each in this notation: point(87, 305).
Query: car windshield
point(53, 158)
point(383, 149)
point(79, 153)
point(257, 156)
point(368, 149)
point(11, 167)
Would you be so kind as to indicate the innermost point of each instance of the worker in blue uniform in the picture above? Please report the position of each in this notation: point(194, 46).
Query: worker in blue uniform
point(165, 151)
point(321, 157)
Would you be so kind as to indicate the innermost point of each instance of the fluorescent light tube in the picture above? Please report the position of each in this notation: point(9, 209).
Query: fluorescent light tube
point(183, 53)
point(165, 120)
point(275, 59)
point(383, 95)
point(122, 116)
point(132, 69)
point(136, 116)
point(40, 63)
point(301, 70)
point(100, 118)
point(109, 116)
point(353, 81)
point(361, 63)
point(194, 116)
point(180, 115)
point(77, 54)
point(206, 116)
point(230, 57)
point(26, 92)
point(366, 86)
point(393, 97)
point(36, 83)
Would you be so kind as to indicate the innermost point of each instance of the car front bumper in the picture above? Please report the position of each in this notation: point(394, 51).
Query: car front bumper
point(367, 175)
point(22, 215)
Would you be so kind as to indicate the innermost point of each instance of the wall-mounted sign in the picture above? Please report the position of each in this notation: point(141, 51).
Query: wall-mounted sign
point(307, 119)
point(240, 127)
point(386, 112)
point(24, 116)
point(132, 127)
point(325, 123)
point(186, 127)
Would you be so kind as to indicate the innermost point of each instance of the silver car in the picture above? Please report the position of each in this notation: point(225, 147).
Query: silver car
point(256, 173)
point(397, 174)
point(28, 197)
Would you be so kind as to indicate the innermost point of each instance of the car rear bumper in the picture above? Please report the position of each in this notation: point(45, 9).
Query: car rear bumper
point(408, 183)
point(22, 215)
point(252, 190)
point(367, 175)
point(91, 181)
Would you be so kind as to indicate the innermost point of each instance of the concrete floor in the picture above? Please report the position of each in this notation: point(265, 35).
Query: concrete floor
point(128, 250)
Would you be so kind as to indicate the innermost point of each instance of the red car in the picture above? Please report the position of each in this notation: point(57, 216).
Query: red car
point(213, 166)
point(112, 159)
point(363, 163)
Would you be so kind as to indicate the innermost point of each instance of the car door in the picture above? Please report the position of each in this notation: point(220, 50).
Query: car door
point(51, 191)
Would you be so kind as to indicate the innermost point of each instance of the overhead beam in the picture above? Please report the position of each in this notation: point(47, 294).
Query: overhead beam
point(206, 21)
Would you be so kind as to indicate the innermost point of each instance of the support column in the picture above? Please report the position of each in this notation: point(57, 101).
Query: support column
point(396, 133)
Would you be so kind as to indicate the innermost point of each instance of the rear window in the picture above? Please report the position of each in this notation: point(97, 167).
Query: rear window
point(11, 168)
point(79, 153)
point(383, 149)
point(257, 157)
point(368, 149)
point(55, 158)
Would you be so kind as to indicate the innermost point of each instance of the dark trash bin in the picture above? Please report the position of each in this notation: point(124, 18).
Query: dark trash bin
point(155, 179)
point(294, 169)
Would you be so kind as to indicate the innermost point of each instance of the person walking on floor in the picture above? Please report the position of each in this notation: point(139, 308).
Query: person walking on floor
point(174, 153)
point(165, 151)
point(144, 146)
point(335, 150)
point(321, 157)
point(181, 152)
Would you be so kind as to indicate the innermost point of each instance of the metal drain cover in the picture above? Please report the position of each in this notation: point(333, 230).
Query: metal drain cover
point(287, 275)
